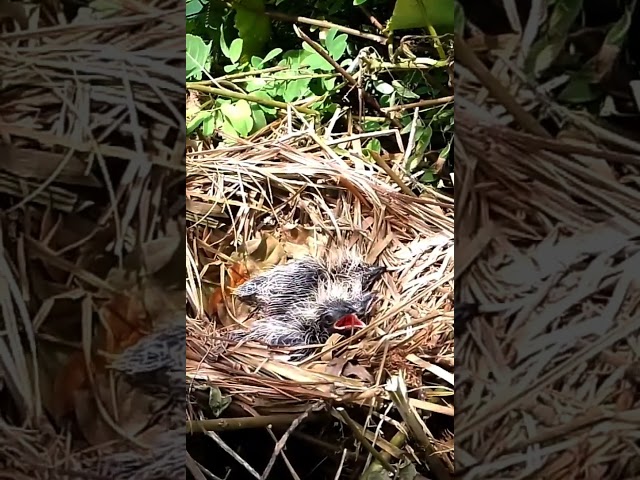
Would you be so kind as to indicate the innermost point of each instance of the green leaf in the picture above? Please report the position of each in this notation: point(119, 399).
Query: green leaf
point(228, 128)
point(271, 55)
point(253, 27)
point(408, 472)
point(444, 153)
point(359, 2)
point(618, 33)
point(209, 125)
point(424, 134)
point(409, 14)
point(197, 120)
point(336, 46)
point(374, 145)
point(563, 16)
point(218, 402)
point(193, 7)
point(579, 90)
point(329, 83)
point(296, 89)
point(428, 177)
point(549, 46)
point(197, 56)
point(371, 126)
point(384, 88)
point(223, 45)
point(403, 91)
point(459, 19)
point(255, 84)
point(316, 62)
point(239, 116)
point(235, 50)
point(259, 119)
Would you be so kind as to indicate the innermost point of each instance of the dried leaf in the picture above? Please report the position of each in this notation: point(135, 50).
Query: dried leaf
point(357, 371)
point(131, 408)
point(71, 379)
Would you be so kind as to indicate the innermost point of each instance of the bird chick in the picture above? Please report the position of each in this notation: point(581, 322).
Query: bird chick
point(336, 306)
point(346, 264)
point(274, 291)
point(156, 362)
point(279, 287)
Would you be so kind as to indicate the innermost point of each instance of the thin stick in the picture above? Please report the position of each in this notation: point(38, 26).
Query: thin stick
point(363, 440)
point(347, 76)
point(249, 98)
point(241, 423)
point(393, 175)
point(283, 441)
point(344, 456)
point(469, 59)
point(325, 24)
point(374, 21)
point(214, 436)
point(432, 102)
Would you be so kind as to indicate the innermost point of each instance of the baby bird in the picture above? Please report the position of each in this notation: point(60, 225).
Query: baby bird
point(274, 291)
point(157, 362)
point(337, 307)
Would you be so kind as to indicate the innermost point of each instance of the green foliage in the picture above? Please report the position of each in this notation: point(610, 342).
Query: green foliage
point(422, 13)
point(198, 57)
point(261, 61)
point(253, 28)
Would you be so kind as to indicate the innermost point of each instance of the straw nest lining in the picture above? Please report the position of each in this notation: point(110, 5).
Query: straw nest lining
point(90, 146)
point(552, 365)
point(293, 191)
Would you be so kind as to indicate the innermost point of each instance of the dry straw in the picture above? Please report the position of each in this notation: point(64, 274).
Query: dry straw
point(88, 136)
point(547, 375)
point(283, 183)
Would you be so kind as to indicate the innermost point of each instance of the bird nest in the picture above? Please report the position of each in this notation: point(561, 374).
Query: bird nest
point(531, 368)
point(257, 204)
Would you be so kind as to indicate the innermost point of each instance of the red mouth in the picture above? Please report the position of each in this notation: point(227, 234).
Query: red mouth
point(349, 322)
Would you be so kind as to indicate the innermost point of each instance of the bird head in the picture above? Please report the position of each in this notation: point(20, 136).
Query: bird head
point(340, 319)
point(345, 315)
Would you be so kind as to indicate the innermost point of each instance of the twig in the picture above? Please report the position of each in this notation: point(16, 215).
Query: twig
point(339, 471)
point(393, 175)
point(249, 98)
point(241, 423)
point(398, 440)
point(418, 63)
point(363, 440)
point(47, 255)
point(233, 76)
point(465, 55)
point(214, 436)
point(197, 470)
point(292, 471)
point(398, 393)
point(431, 102)
point(352, 81)
point(374, 21)
point(283, 441)
point(325, 24)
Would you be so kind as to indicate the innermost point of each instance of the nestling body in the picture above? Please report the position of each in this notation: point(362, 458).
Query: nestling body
point(303, 302)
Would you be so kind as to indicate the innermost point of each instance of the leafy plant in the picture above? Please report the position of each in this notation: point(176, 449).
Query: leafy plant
point(260, 67)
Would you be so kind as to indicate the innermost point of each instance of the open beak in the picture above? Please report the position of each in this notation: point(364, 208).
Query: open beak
point(348, 322)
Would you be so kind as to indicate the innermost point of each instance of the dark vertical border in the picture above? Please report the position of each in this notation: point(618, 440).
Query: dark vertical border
point(547, 240)
point(92, 142)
